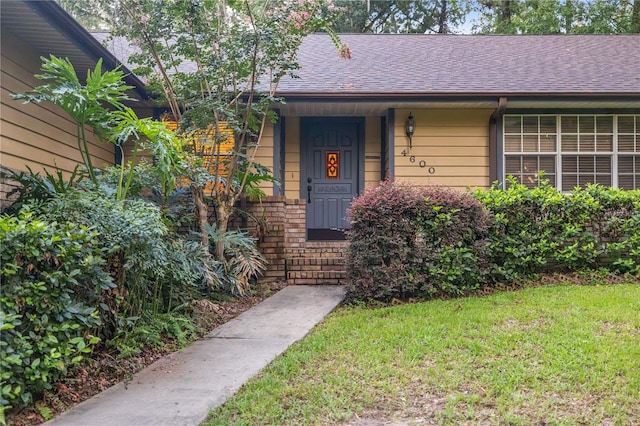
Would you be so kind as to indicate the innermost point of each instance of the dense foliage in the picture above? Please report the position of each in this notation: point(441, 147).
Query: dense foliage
point(235, 54)
point(557, 17)
point(422, 242)
point(451, 16)
point(100, 259)
point(157, 271)
point(409, 241)
point(540, 229)
point(97, 104)
point(53, 282)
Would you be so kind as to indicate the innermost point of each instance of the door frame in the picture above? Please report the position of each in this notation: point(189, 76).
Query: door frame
point(359, 121)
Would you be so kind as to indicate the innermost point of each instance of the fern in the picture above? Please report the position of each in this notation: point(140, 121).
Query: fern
point(242, 259)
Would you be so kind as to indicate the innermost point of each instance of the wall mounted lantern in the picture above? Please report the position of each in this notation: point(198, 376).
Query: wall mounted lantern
point(409, 128)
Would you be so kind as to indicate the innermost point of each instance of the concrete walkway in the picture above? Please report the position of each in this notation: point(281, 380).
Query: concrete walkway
point(181, 388)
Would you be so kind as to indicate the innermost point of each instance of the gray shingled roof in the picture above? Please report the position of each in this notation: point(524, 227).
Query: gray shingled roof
point(396, 64)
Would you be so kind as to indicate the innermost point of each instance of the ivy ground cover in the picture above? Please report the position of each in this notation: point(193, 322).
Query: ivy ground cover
point(545, 355)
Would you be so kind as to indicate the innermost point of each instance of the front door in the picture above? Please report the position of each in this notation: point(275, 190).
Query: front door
point(330, 175)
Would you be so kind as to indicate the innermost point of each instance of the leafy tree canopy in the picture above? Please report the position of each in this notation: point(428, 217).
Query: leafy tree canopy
point(401, 16)
point(443, 16)
point(558, 17)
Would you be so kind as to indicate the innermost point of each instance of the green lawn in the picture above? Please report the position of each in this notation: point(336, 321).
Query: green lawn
point(545, 355)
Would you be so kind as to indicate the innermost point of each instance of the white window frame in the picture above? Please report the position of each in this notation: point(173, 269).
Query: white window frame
point(559, 153)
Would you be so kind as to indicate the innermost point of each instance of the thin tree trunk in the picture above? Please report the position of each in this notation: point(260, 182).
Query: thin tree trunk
point(223, 212)
point(202, 211)
point(506, 12)
point(443, 28)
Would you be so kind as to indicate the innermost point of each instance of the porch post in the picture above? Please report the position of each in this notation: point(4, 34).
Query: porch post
point(278, 154)
point(390, 154)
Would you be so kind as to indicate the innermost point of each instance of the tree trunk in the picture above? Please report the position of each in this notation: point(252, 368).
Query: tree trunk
point(506, 12)
point(443, 27)
point(223, 212)
point(202, 211)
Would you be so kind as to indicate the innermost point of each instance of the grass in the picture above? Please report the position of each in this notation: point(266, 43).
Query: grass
point(545, 355)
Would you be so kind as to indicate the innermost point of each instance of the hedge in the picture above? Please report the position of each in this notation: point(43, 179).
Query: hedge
point(51, 277)
point(415, 242)
point(428, 241)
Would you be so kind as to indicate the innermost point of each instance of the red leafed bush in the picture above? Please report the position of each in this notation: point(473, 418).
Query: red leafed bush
point(415, 242)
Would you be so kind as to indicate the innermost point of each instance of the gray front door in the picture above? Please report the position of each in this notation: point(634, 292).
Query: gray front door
point(330, 175)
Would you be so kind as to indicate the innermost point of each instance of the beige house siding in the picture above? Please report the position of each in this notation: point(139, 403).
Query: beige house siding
point(37, 135)
point(453, 143)
point(372, 152)
point(264, 155)
point(292, 158)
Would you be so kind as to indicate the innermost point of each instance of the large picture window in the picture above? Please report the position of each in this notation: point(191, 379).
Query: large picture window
point(573, 150)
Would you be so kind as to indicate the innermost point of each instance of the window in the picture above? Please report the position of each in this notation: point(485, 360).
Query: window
point(531, 144)
point(215, 149)
point(629, 152)
point(573, 150)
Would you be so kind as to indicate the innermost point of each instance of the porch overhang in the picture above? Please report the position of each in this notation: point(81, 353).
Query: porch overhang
point(328, 104)
point(47, 27)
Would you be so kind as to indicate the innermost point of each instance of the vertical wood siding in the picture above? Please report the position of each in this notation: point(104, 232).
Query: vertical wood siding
point(291, 171)
point(264, 155)
point(37, 135)
point(453, 142)
point(372, 151)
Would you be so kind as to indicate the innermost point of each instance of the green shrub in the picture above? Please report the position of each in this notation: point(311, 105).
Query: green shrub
point(616, 227)
point(540, 229)
point(526, 223)
point(32, 188)
point(161, 331)
point(407, 241)
point(243, 261)
point(154, 269)
point(52, 277)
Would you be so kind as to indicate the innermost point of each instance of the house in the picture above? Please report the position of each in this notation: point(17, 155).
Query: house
point(42, 135)
point(483, 107)
point(458, 111)
point(480, 108)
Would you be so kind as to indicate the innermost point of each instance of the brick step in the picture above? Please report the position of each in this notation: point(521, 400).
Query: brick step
point(317, 274)
point(316, 270)
point(316, 252)
point(327, 244)
point(316, 263)
point(317, 277)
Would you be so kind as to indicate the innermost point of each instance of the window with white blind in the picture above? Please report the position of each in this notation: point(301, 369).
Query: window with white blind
point(629, 151)
point(573, 150)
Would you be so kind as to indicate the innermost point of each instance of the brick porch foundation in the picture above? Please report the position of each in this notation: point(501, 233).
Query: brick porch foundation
point(280, 224)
